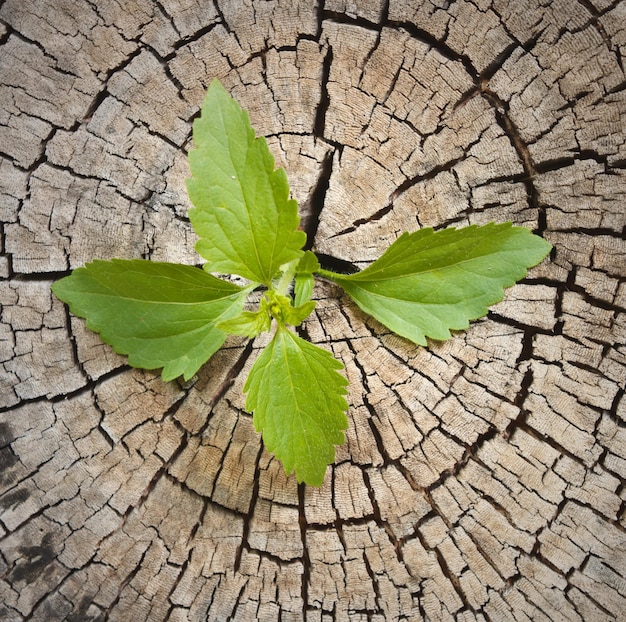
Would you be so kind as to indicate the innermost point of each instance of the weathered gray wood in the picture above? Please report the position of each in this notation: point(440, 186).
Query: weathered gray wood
point(482, 478)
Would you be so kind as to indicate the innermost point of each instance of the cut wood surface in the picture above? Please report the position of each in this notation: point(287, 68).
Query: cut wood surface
point(482, 478)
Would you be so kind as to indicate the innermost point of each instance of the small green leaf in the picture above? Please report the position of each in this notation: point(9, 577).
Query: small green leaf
point(249, 323)
point(303, 284)
point(303, 288)
point(282, 310)
point(272, 305)
point(294, 316)
point(308, 263)
point(243, 215)
point(159, 314)
point(427, 283)
point(296, 395)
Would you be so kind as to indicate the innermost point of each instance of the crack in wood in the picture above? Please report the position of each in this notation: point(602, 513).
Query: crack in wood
point(511, 481)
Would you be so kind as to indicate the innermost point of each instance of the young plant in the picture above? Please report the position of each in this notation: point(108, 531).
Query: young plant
point(175, 317)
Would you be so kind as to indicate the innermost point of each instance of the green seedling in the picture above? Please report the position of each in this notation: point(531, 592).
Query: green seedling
point(175, 317)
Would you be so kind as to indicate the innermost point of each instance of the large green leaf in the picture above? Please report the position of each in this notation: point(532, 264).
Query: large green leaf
point(428, 283)
point(296, 394)
point(159, 314)
point(246, 222)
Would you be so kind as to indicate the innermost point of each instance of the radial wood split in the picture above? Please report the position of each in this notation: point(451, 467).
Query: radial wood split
point(482, 479)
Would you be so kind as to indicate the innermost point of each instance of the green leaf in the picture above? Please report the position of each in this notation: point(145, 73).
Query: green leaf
point(249, 323)
point(282, 310)
point(296, 395)
point(294, 316)
point(428, 283)
point(159, 314)
point(272, 305)
point(308, 263)
point(243, 215)
point(303, 284)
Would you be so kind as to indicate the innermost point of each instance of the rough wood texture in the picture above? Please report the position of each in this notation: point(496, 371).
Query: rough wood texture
point(483, 478)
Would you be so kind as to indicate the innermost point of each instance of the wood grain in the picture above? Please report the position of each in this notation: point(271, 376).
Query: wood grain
point(481, 478)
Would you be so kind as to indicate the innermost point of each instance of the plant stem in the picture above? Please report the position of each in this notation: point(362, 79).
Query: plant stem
point(283, 284)
point(326, 274)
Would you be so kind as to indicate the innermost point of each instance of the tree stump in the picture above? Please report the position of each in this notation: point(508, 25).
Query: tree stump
point(481, 478)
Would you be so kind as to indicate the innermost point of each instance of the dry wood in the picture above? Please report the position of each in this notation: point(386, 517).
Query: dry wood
point(481, 478)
